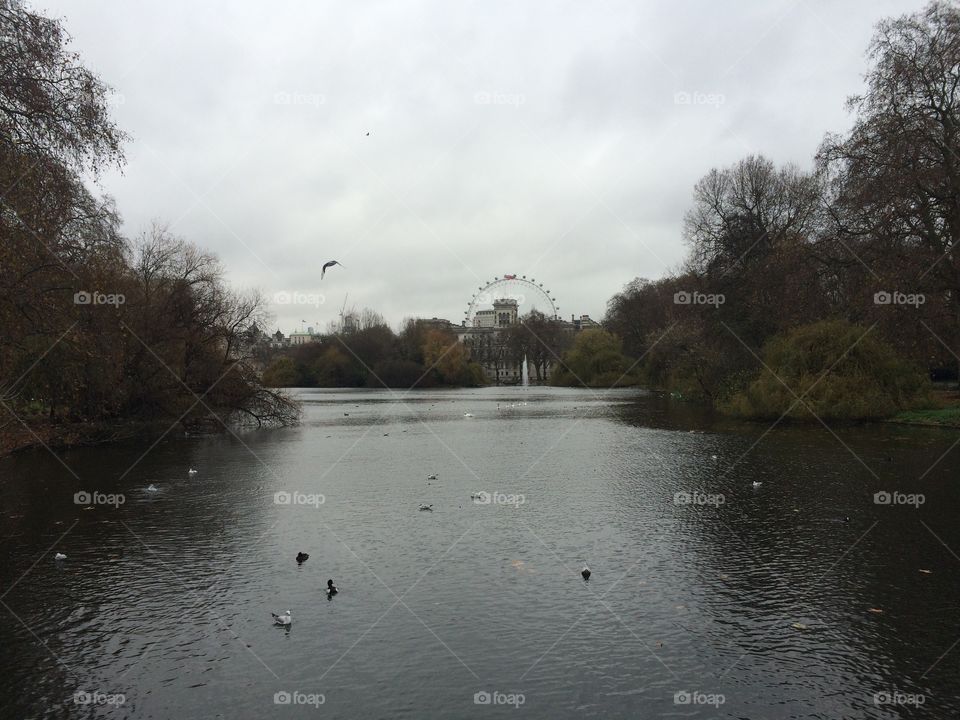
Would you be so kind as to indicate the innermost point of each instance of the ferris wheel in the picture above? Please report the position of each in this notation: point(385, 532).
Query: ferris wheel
point(527, 292)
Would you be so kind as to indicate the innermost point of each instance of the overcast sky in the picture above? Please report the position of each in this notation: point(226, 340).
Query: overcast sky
point(554, 139)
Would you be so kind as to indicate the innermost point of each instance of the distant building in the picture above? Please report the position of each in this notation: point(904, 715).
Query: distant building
point(487, 342)
point(583, 322)
point(302, 338)
point(437, 324)
point(278, 340)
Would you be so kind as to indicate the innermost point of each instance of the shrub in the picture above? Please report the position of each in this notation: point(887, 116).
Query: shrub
point(839, 370)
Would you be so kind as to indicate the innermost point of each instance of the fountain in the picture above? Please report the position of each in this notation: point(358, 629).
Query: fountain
point(524, 373)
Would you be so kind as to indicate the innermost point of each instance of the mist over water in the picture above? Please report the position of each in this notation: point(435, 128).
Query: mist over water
point(709, 597)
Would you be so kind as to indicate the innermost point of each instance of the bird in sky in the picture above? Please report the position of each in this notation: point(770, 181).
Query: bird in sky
point(331, 263)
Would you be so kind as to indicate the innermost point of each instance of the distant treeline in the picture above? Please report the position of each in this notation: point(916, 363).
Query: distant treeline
point(424, 355)
point(835, 287)
point(98, 333)
point(374, 356)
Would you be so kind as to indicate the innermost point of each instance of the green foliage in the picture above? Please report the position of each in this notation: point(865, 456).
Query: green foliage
point(837, 369)
point(595, 360)
point(282, 372)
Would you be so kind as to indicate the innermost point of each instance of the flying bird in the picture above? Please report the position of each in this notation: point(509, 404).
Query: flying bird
point(331, 263)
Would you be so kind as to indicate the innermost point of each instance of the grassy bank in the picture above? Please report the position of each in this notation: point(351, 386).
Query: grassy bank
point(944, 412)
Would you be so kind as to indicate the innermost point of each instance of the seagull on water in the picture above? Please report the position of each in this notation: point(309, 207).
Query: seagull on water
point(432, 477)
point(191, 471)
point(152, 488)
point(284, 620)
point(757, 483)
point(329, 263)
point(424, 506)
point(59, 556)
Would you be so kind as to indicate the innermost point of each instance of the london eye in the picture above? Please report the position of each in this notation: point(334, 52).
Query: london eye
point(526, 292)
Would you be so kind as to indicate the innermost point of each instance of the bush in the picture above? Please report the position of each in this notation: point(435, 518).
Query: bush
point(839, 370)
point(595, 360)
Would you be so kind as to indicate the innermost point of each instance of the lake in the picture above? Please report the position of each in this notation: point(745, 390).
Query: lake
point(829, 590)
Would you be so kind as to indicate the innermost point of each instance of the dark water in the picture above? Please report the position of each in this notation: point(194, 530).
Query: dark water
point(758, 607)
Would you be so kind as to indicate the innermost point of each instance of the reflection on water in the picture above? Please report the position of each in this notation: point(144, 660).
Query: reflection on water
point(801, 597)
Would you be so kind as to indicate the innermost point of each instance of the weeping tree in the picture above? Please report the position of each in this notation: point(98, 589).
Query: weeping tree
point(92, 327)
point(895, 177)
